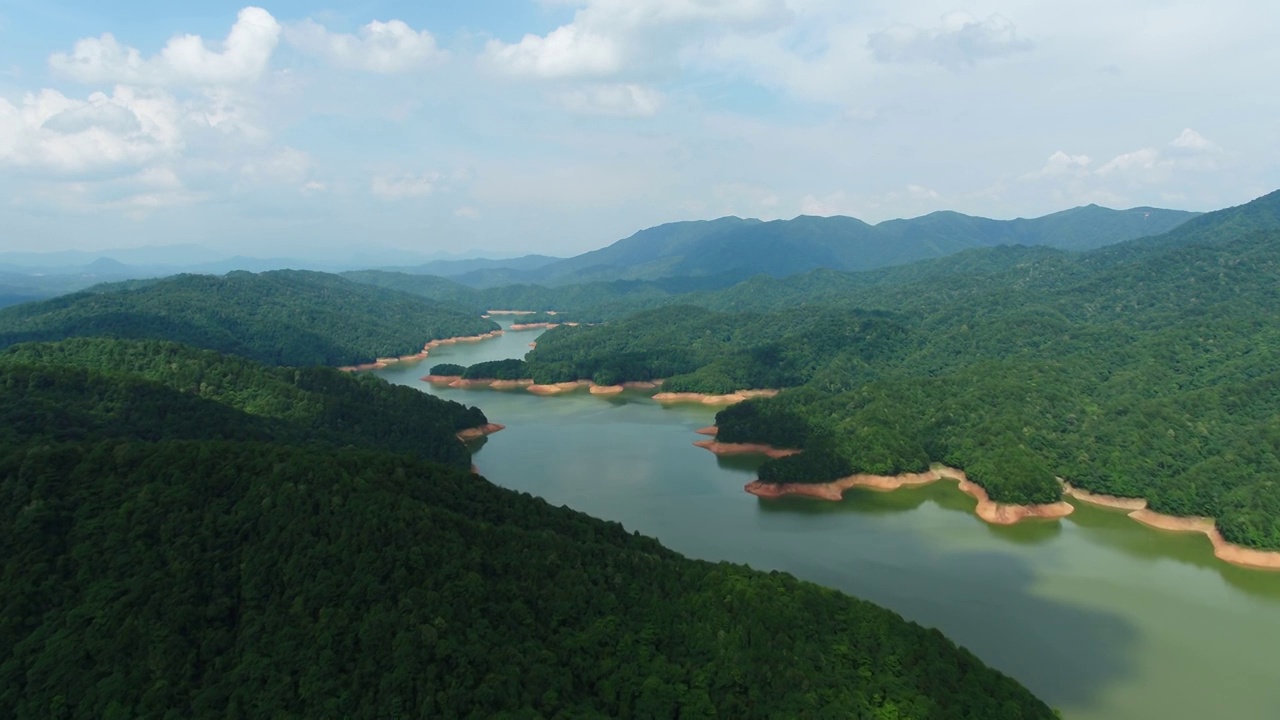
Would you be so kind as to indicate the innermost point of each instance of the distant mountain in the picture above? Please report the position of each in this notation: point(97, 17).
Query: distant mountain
point(587, 302)
point(65, 260)
point(280, 318)
point(25, 277)
point(779, 248)
point(1147, 369)
point(450, 268)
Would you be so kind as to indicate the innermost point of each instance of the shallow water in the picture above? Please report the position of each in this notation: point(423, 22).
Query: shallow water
point(1098, 615)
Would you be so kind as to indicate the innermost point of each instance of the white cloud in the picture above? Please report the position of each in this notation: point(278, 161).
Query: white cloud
point(184, 60)
point(622, 100)
point(608, 38)
point(380, 47)
point(960, 40)
point(1061, 163)
point(398, 187)
point(53, 134)
point(1074, 179)
point(566, 52)
point(466, 211)
point(1192, 141)
point(1138, 161)
point(313, 186)
point(228, 112)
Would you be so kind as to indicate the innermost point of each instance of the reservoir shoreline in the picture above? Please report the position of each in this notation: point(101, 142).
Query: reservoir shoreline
point(1223, 549)
point(988, 510)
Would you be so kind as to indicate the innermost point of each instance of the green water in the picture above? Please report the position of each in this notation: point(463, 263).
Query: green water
point(1098, 615)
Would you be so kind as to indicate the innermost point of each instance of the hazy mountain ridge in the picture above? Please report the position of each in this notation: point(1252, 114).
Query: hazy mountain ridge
point(1145, 369)
point(786, 247)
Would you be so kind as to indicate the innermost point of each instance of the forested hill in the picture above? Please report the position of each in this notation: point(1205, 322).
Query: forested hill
point(741, 248)
point(191, 535)
point(589, 302)
point(1144, 370)
point(282, 318)
point(99, 388)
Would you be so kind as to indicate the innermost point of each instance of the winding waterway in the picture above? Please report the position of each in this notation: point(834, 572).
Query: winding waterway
point(1103, 618)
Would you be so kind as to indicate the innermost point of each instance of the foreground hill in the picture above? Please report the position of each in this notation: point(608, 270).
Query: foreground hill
point(1148, 369)
point(282, 318)
point(178, 540)
point(742, 248)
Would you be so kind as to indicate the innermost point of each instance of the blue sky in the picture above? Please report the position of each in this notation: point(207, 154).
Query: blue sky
point(559, 125)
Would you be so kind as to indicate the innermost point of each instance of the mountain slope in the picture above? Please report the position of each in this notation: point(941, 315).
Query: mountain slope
point(1147, 369)
point(148, 379)
point(283, 317)
point(169, 553)
point(785, 247)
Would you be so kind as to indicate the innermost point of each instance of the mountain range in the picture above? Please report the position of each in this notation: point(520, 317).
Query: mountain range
point(741, 248)
point(728, 248)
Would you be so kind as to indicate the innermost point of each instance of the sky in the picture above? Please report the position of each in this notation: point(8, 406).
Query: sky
point(558, 126)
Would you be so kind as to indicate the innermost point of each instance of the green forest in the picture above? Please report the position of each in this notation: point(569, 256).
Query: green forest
point(284, 317)
point(1144, 369)
point(99, 388)
point(188, 534)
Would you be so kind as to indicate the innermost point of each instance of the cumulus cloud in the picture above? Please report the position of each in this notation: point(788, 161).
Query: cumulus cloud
point(1144, 160)
point(1189, 152)
point(50, 133)
point(621, 100)
point(1060, 163)
point(1192, 141)
point(186, 60)
point(961, 40)
point(608, 38)
point(566, 52)
point(379, 47)
point(399, 187)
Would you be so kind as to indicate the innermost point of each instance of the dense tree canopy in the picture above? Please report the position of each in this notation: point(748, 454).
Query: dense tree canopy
point(191, 535)
point(1146, 369)
point(280, 318)
point(96, 388)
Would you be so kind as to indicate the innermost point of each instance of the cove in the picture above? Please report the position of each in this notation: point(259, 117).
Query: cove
point(1102, 617)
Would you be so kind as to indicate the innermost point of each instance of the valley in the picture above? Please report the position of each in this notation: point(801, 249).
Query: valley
point(1101, 616)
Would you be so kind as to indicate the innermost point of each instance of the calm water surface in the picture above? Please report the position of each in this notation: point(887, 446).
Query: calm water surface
point(1103, 618)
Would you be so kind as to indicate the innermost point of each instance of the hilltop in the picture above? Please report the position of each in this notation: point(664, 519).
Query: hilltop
point(283, 317)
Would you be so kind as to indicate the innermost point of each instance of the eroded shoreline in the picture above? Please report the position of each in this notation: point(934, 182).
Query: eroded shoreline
point(479, 431)
point(545, 389)
point(1223, 549)
point(732, 398)
point(380, 363)
point(990, 511)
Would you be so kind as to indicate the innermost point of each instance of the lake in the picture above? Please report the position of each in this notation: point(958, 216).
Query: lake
point(1101, 617)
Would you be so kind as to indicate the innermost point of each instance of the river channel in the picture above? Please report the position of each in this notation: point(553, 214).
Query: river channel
point(1103, 618)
